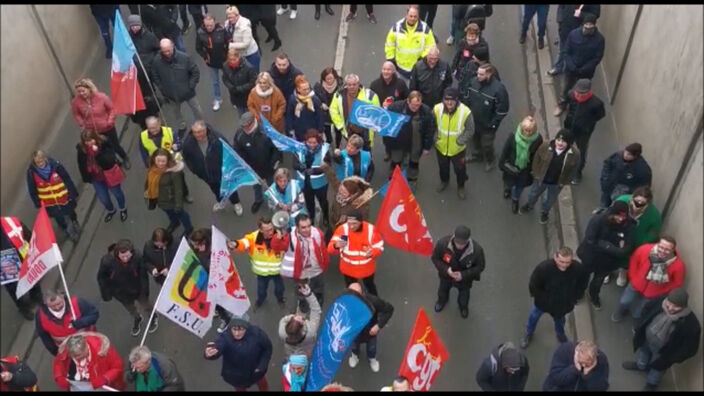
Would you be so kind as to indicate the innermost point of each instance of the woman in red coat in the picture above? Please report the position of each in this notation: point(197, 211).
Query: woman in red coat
point(86, 361)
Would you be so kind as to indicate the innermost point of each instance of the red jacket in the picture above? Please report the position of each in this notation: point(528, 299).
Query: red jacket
point(105, 365)
point(95, 114)
point(640, 265)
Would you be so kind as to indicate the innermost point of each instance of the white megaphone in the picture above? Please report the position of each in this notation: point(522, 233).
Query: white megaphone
point(280, 219)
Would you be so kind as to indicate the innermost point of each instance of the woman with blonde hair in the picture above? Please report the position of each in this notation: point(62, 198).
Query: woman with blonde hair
point(517, 158)
point(239, 32)
point(266, 99)
point(93, 111)
point(303, 110)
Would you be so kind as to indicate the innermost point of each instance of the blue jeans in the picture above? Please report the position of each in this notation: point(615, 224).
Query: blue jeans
point(371, 347)
point(215, 77)
point(535, 315)
point(263, 284)
point(536, 191)
point(102, 191)
point(516, 191)
point(254, 60)
point(178, 43)
point(531, 9)
point(643, 356)
point(181, 217)
point(633, 300)
point(104, 26)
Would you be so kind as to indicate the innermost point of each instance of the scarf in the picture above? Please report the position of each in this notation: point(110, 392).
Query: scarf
point(60, 313)
point(658, 266)
point(330, 88)
point(660, 329)
point(264, 94)
point(91, 164)
point(305, 249)
point(297, 381)
point(300, 100)
point(586, 97)
point(233, 65)
point(82, 370)
point(344, 201)
point(523, 147)
point(150, 381)
point(153, 177)
point(44, 172)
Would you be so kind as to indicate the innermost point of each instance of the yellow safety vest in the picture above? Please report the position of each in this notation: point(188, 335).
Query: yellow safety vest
point(265, 262)
point(337, 113)
point(167, 142)
point(450, 127)
point(407, 47)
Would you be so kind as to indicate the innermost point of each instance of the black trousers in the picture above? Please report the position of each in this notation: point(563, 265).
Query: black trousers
point(310, 195)
point(597, 282)
point(111, 136)
point(368, 283)
point(369, 7)
point(458, 163)
point(568, 82)
point(317, 286)
point(426, 12)
point(444, 292)
point(582, 141)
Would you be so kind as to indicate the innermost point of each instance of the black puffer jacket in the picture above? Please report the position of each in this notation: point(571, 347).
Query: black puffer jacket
point(600, 249)
point(208, 167)
point(582, 117)
point(125, 282)
point(404, 138)
point(488, 102)
point(556, 292)
point(212, 46)
point(177, 77)
point(239, 81)
point(147, 46)
point(471, 263)
point(105, 158)
point(285, 81)
point(431, 82)
point(492, 377)
point(383, 311)
point(257, 150)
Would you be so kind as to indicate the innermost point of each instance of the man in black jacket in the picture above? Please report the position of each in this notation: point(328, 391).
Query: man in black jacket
point(389, 88)
point(459, 260)
point(239, 78)
point(177, 76)
point(668, 333)
point(147, 46)
point(382, 313)
point(104, 15)
point(211, 45)
point(430, 76)
point(622, 173)
point(202, 153)
point(607, 240)
point(555, 285)
point(162, 20)
point(505, 370)
point(415, 137)
point(570, 17)
point(488, 99)
point(257, 150)
point(284, 73)
point(584, 110)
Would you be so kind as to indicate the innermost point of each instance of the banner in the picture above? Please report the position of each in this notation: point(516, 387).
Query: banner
point(424, 355)
point(10, 264)
point(235, 171)
point(386, 123)
point(281, 141)
point(125, 91)
point(225, 286)
point(43, 254)
point(346, 317)
point(401, 221)
point(184, 295)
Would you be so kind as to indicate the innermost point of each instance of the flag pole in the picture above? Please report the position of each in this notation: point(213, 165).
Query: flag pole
point(63, 280)
point(151, 316)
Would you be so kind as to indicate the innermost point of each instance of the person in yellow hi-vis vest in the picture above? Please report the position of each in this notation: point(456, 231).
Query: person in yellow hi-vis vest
point(266, 263)
point(455, 126)
point(408, 40)
point(341, 104)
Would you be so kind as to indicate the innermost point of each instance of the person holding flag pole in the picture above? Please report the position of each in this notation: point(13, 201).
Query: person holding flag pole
point(147, 48)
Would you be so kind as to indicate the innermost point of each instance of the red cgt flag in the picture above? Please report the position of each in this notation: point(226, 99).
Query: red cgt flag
point(42, 256)
point(424, 355)
point(401, 221)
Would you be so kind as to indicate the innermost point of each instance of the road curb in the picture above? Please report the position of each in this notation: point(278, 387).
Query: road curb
point(341, 39)
point(584, 328)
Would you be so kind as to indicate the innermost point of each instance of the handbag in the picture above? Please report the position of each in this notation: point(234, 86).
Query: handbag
point(114, 176)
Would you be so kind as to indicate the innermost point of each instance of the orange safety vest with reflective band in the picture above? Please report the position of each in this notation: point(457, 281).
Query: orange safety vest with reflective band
point(52, 192)
point(13, 229)
point(353, 257)
point(13, 360)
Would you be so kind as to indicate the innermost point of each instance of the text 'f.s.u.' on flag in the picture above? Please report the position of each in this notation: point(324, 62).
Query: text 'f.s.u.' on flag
point(184, 296)
point(43, 254)
point(225, 286)
point(386, 123)
point(425, 355)
point(125, 91)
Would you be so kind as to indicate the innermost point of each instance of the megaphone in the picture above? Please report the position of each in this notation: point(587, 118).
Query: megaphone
point(280, 219)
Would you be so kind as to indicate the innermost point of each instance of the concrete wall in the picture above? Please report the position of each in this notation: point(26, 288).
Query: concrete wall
point(616, 22)
point(35, 99)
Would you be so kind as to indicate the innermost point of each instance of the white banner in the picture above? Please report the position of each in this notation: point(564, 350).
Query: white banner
point(225, 286)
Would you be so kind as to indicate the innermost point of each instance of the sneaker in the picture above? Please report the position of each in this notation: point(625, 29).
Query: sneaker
point(630, 365)
point(616, 317)
point(552, 72)
point(126, 163)
point(543, 218)
point(372, 19)
point(374, 364)
point(558, 110)
point(189, 199)
point(238, 209)
point(450, 40)
point(562, 338)
point(219, 206)
point(490, 166)
point(277, 45)
point(216, 105)
point(185, 29)
point(281, 11)
point(525, 340)
point(353, 360)
point(154, 325)
point(577, 179)
point(136, 327)
point(541, 43)
point(293, 15)
point(222, 326)
point(350, 17)
point(607, 279)
point(525, 209)
point(464, 312)
point(507, 193)
point(622, 278)
point(109, 216)
point(522, 39)
point(256, 206)
point(596, 303)
point(439, 306)
point(123, 215)
point(461, 193)
point(514, 206)
point(442, 186)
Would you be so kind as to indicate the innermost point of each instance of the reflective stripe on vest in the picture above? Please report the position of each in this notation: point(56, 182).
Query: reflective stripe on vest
point(346, 169)
point(52, 192)
point(13, 229)
point(316, 181)
point(450, 128)
point(264, 261)
point(289, 196)
point(357, 257)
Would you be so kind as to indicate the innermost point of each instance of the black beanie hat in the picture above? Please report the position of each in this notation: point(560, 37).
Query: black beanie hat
point(565, 135)
point(588, 18)
point(618, 208)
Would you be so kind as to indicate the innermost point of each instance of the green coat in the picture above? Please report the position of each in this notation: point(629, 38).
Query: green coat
point(647, 227)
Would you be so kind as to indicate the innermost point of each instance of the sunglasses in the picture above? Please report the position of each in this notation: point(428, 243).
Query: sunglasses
point(639, 204)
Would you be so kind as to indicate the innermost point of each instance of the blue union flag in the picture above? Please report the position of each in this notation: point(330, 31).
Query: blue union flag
point(235, 172)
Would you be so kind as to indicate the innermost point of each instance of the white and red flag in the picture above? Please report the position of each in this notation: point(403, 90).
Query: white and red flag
point(125, 91)
point(225, 286)
point(425, 355)
point(42, 256)
point(401, 221)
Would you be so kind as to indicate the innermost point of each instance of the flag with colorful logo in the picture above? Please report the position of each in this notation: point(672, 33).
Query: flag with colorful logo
point(386, 123)
point(235, 171)
point(125, 91)
point(225, 286)
point(43, 255)
point(425, 355)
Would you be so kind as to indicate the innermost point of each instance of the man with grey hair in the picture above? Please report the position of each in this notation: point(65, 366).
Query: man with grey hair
point(431, 75)
point(177, 75)
point(54, 320)
point(341, 105)
point(153, 372)
point(87, 362)
point(580, 367)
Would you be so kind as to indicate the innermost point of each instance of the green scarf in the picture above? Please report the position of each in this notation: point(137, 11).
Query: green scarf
point(150, 381)
point(523, 147)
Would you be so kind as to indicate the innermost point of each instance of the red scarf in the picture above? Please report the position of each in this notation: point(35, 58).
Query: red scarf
point(585, 98)
point(233, 64)
point(91, 164)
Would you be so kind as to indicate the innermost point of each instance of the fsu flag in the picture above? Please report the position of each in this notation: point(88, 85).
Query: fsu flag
point(42, 256)
point(424, 355)
point(225, 286)
point(125, 92)
point(401, 221)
